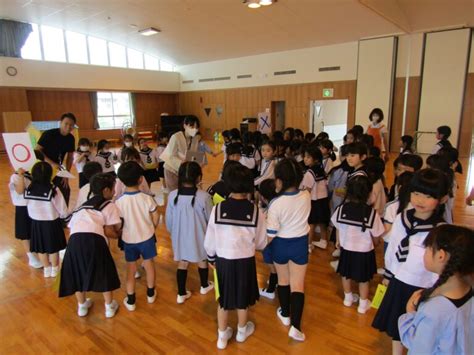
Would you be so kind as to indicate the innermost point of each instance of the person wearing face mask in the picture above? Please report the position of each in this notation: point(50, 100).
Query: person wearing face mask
point(81, 157)
point(175, 153)
point(127, 143)
point(106, 158)
point(378, 130)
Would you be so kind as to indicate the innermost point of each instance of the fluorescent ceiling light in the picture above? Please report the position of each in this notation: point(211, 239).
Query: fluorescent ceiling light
point(253, 4)
point(149, 31)
point(265, 2)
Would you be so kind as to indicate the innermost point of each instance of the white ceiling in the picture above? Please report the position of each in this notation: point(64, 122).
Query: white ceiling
point(196, 31)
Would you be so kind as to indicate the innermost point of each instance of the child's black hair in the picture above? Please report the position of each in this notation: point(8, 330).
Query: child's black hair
point(39, 155)
point(441, 163)
point(101, 145)
point(83, 141)
point(290, 174)
point(374, 152)
point(445, 131)
point(452, 155)
point(188, 174)
point(295, 147)
point(235, 135)
point(357, 148)
point(271, 144)
point(458, 242)
point(129, 173)
point(433, 183)
point(128, 136)
point(257, 139)
point(248, 138)
point(313, 151)
point(191, 120)
point(229, 164)
point(226, 134)
point(239, 179)
point(376, 111)
point(90, 169)
point(321, 136)
point(412, 160)
point(41, 175)
point(101, 181)
point(404, 190)
point(329, 145)
point(234, 148)
point(291, 132)
point(358, 130)
point(130, 153)
point(375, 168)
point(309, 137)
point(266, 189)
point(407, 142)
point(161, 135)
point(299, 135)
point(277, 136)
point(368, 140)
point(358, 190)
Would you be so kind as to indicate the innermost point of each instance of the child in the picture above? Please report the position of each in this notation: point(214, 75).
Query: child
point(250, 155)
point(267, 164)
point(441, 163)
point(105, 157)
point(299, 135)
point(375, 168)
point(127, 143)
point(377, 130)
point(358, 227)
point(314, 181)
point(46, 206)
point(439, 320)
point(204, 148)
point(219, 188)
point(140, 215)
point(88, 264)
point(81, 158)
point(287, 226)
point(227, 140)
point(131, 154)
point(289, 134)
point(162, 143)
point(309, 137)
point(404, 163)
point(406, 143)
point(236, 228)
point(404, 270)
point(90, 169)
point(327, 150)
point(18, 182)
point(442, 135)
point(187, 215)
point(356, 154)
point(150, 159)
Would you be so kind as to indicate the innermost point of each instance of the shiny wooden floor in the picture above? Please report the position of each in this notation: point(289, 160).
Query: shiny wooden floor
point(34, 320)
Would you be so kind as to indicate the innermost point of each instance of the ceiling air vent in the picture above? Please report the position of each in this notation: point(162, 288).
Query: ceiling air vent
point(244, 76)
point(188, 81)
point(205, 80)
point(329, 68)
point(222, 78)
point(286, 72)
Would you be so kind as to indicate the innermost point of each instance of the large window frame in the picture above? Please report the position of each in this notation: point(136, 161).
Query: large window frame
point(118, 119)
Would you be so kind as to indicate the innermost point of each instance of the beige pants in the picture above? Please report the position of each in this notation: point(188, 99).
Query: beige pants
point(171, 180)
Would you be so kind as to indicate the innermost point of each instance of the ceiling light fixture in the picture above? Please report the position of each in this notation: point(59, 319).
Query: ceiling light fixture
point(149, 31)
point(253, 4)
point(265, 2)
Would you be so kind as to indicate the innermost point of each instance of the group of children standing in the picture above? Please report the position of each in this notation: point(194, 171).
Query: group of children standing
point(275, 194)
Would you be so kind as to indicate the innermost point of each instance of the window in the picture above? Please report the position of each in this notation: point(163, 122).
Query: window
point(135, 59)
point(113, 109)
point(32, 47)
point(53, 44)
point(117, 55)
point(165, 66)
point(151, 63)
point(98, 51)
point(76, 48)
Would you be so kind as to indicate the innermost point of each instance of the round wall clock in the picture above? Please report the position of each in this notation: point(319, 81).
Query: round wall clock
point(11, 71)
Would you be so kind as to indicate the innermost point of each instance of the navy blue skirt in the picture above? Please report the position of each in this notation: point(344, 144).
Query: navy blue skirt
point(357, 266)
point(47, 237)
point(22, 223)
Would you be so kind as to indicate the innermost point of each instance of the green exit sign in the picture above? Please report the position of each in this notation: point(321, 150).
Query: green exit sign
point(328, 92)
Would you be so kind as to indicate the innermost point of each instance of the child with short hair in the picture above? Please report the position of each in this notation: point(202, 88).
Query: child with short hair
point(128, 142)
point(233, 151)
point(442, 135)
point(267, 164)
point(187, 215)
point(88, 265)
point(81, 157)
point(140, 215)
point(406, 143)
point(131, 154)
point(106, 158)
point(404, 163)
point(439, 320)
point(356, 154)
point(90, 169)
point(220, 188)
point(327, 150)
point(375, 168)
point(150, 159)
point(377, 130)
point(236, 229)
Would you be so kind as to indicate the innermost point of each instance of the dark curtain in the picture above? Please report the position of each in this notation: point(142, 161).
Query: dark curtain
point(13, 35)
point(93, 98)
point(133, 100)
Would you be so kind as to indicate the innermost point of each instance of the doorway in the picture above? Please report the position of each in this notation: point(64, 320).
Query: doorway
point(329, 116)
point(278, 115)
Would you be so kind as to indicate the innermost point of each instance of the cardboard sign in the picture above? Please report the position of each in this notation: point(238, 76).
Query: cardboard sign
point(20, 151)
point(264, 123)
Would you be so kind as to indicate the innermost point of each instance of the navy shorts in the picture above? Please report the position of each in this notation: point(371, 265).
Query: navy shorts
point(285, 249)
point(267, 255)
point(146, 250)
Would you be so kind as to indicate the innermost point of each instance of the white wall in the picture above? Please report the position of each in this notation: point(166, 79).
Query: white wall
point(42, 74)
point(305, 61)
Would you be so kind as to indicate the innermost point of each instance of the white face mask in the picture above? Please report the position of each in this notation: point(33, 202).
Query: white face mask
point(84, 148)
point(191, 131)
point(128, 144)
point(106, 150)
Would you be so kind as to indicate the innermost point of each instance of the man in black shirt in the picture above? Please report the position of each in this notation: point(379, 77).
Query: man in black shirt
point(58, 145)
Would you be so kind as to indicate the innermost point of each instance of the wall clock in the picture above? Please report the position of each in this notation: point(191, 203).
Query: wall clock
point(12, 71)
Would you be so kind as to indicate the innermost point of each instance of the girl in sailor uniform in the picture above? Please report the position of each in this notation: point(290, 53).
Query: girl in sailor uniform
point(150, 160)
point(267, 164)
point(46, 206)
point(356, 154)
point(236, 229)
point(404, 269)
point(358, 227)
point(88, 265)
point(106, 158)
point(81, 157)
point(187, 215)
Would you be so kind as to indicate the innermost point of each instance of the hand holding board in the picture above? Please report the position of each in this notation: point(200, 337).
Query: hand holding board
point(19, 149)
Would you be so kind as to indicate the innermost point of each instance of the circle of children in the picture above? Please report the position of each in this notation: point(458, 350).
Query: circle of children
point(274, 195)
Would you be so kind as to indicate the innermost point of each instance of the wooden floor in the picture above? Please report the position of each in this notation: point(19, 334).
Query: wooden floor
point(34, 320)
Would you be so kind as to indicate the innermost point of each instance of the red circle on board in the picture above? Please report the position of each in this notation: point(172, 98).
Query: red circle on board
point(19, 145)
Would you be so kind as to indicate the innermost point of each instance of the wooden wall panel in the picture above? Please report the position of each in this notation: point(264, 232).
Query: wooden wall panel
point(11, 100)
point(465, 132)
point(149, 106)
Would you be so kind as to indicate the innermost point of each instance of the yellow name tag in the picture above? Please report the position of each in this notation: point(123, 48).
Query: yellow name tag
point(379, 295)
point(216, 285)
point(216, 199)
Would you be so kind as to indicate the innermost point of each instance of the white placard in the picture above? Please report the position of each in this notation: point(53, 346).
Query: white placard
point(19, 149)
point(264, 123)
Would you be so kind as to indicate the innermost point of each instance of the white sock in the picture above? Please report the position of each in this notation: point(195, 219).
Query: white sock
point(222, 333)
point(30, 255)
point(363, 303)
point(242, 329)
point(348, 296)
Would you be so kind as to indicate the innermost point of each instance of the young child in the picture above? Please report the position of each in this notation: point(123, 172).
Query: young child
point(90, 169)
point(406, 143)
point(356, 154)
point(299, 135)
point(220, 188)
point(187, 215)
point(82, 157)
point(162, 143)
point(315, 181)
point(127, 143)
point(150, 159)
point(439, 320)
point(441, 163)
point(236, 228)
point(131, 154)
point(18, 182)
point(203, 147)
point(250, 155)
point(375, 168)
point(358, 227)
point(140, 215)
point(267, 164)
point(287, 226)
point(227, 140)
point(377, 130)
point(442, 135)
point(404, 270)
point(88, 265)
point(404, 163)
point(105, 157)
point(327, 150)
point(46, 206)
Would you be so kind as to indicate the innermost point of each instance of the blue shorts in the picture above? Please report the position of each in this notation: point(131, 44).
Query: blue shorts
point(285, 249)
point(267, 255)
point(146, 250)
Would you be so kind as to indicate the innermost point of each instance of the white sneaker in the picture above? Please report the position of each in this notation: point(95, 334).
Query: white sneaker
point(381, 271)
point(35, 263)
point(137, 274)
point(152, 298)
point(349, 300)
point(223, 337)
point(285, 320)
point(245, 332)
point(111, 309)
point(334, 264)
point(54, 271)
point(130, 307)
point(336, 253)
point(205, 290)
point(181, 299)
point(296, 334)
point(47, 271)
point(364, 306)
point(270, 295)
point(321, 244)
point(83, 309)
